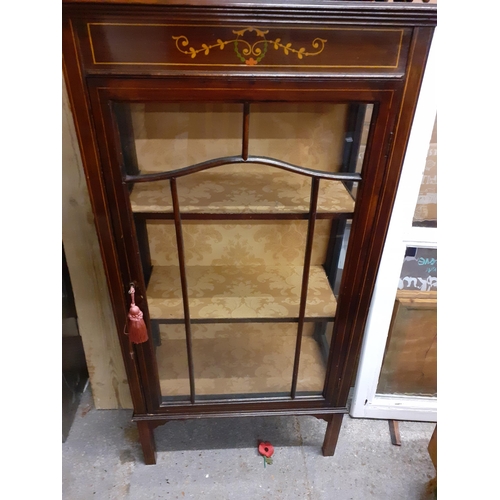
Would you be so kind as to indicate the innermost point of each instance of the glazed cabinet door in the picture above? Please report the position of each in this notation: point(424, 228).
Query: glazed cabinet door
point(239, 216)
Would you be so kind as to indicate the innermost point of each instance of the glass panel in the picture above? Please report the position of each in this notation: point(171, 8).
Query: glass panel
point(366, 120)
point(320, 136)
point(426, 209)
point(322, 331)
point(171, 356)
point(244, 273)
point(239, 270)
point(169, 339)
point(359, 137)
point(248, 188)
point(171, 136)
point(239, 360)
point(164, 136)
point(316, 339)
point(243, 359)
point(340, 234)
point(306, 134)
point(410, 360)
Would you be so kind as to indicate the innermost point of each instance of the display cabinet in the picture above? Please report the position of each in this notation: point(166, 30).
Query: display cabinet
point(242, 160)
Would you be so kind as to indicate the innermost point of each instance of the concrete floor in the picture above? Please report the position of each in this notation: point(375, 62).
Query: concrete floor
point(218, 459)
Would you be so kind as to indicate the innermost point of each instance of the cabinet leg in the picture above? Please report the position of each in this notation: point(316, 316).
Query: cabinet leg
point(332, 434)
point(147, 439)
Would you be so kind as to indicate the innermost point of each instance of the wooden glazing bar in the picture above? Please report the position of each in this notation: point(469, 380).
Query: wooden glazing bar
point(227, 160)
point(246, 128)
point(184, 286)
point(209, 321)
point(241, 216)
point(305, 280)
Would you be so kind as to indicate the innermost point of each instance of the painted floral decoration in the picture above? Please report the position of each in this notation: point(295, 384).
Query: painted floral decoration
point(249, 51)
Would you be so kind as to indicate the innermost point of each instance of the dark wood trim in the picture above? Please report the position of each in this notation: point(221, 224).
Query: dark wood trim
point(184, 285)
point(229, 160)
point(305, 279)
point(126, 239)
point(362, 268)
point(299, 12)
point(246, 131)
point(332, 434)
point(245, 216)
point(147, 440)
point(237, 89)
point(209, 321)
point(363, 228)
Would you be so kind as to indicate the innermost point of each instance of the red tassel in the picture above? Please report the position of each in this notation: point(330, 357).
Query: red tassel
point(137, 330)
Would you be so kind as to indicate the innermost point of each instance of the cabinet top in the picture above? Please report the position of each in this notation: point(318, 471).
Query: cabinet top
point(396, 12)
point(366, 4)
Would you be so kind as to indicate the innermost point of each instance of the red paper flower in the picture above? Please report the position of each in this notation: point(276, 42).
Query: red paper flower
point(266, 449)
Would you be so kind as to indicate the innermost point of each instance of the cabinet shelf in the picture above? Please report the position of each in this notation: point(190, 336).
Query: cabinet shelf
point(259, 293)
point(241, 359)
point(249, 189)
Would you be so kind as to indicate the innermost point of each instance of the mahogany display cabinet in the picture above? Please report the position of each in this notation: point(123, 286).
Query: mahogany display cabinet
point(242, 159)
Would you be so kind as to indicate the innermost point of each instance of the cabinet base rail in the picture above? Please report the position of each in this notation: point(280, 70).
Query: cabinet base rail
point(147, 423)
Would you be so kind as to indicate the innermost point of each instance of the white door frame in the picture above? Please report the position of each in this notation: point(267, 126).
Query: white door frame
point(366, 403)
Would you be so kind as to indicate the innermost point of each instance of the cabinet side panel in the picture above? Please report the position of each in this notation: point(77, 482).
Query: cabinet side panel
point(84, 128)
point(348, 340)
point(108, 379)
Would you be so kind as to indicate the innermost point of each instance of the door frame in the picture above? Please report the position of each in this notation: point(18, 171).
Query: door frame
point(401, 234)
point(141, 358)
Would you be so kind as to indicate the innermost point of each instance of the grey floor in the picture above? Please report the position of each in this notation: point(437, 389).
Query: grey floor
point(218, 459)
